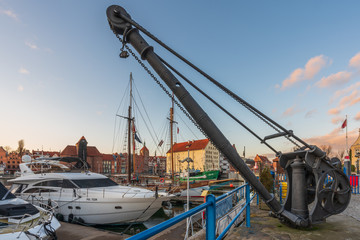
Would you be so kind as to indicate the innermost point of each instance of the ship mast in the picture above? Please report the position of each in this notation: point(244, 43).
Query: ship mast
point(172, 137)
point(129, 132)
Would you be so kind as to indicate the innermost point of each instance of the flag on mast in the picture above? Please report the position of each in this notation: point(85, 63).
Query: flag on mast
point(344, 124)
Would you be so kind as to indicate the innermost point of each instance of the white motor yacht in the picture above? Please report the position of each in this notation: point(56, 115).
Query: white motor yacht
point(85, 197)
point(22, 220)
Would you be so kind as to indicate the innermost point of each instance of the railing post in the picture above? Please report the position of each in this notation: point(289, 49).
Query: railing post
point(247, 195)
point(210, 217)
point(257, 199)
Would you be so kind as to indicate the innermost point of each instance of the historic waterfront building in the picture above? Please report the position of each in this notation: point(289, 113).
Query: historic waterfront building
point(355, 150)
point(9, 162)
point(89, 153)
point(204, 154)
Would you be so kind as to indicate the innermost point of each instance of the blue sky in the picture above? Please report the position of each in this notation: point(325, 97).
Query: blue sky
point(61, 77)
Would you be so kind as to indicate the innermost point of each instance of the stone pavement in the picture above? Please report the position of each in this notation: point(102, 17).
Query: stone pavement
point(342, 226)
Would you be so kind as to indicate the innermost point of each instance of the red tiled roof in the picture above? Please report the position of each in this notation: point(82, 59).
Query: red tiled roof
point(195, 145)
point(108, 157)
point(262, 159)
point(71, 151)
point(93, 151)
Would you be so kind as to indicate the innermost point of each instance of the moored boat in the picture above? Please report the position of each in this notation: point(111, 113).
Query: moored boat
point(21, 220)
point(86, 197)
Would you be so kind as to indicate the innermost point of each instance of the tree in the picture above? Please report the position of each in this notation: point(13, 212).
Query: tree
point(21, 148)
point(327, 149)
point(340, 154)
point(7, 149)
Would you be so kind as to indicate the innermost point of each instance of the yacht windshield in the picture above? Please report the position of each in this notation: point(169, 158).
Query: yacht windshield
point(92, 183)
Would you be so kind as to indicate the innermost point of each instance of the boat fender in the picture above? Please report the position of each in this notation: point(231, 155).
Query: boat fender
point(49, 205)
point(162, 180)
point(71, 218)
point(81, 221)
point(59, 217)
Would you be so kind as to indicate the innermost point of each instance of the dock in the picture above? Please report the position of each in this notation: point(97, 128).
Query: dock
point(79, 232)
point(266, 227)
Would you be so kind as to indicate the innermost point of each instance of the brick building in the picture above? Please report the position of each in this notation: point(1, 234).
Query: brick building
point(9, 162)
point(89, 153)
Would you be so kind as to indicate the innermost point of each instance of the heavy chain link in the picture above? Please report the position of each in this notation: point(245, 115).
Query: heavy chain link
point(161, 85)
point(244, 104)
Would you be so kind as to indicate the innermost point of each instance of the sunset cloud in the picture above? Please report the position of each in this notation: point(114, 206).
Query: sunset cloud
point(346, 101)
point(350, 100)
point(357, 117)
point(344, 91)
point(290, 111)
point(31, 45)
point(312, 67)
point(335, 138)
point(335, 79)
point(334, 111)
point(24, 71)
point(355, 61)
point(337, 120)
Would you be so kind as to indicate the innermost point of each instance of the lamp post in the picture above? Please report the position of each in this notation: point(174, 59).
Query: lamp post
point(188, 160)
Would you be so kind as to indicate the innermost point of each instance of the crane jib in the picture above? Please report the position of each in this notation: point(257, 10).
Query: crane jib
point(311, 175)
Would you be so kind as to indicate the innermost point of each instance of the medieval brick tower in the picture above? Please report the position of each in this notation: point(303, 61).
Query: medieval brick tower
point(81, 148)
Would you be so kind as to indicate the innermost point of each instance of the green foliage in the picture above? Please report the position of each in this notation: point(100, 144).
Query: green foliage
point(266, 179)
point(353, 168)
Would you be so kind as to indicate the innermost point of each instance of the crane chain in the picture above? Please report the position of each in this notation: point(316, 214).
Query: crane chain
point(161, 85)
point(246, 105)
point(258, 115)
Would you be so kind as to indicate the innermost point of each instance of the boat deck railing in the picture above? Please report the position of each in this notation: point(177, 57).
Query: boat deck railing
point(211, 208)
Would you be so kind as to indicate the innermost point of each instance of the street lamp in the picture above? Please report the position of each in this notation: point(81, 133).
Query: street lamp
point(188, 160)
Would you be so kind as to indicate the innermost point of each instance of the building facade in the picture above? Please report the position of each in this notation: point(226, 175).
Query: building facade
point(90, 153)
point(355, 151)
point(204, 154)
point(9, 162)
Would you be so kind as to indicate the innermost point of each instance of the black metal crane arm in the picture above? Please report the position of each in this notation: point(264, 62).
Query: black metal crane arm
point(119, 26)
point(311, 176)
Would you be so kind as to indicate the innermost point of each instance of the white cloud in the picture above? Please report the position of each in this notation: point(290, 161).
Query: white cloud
point(10, 14)
point(31, 45)
point(24, 71)
point(312, 67)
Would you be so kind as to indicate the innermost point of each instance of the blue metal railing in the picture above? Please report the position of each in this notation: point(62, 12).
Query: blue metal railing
point(210, 206)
